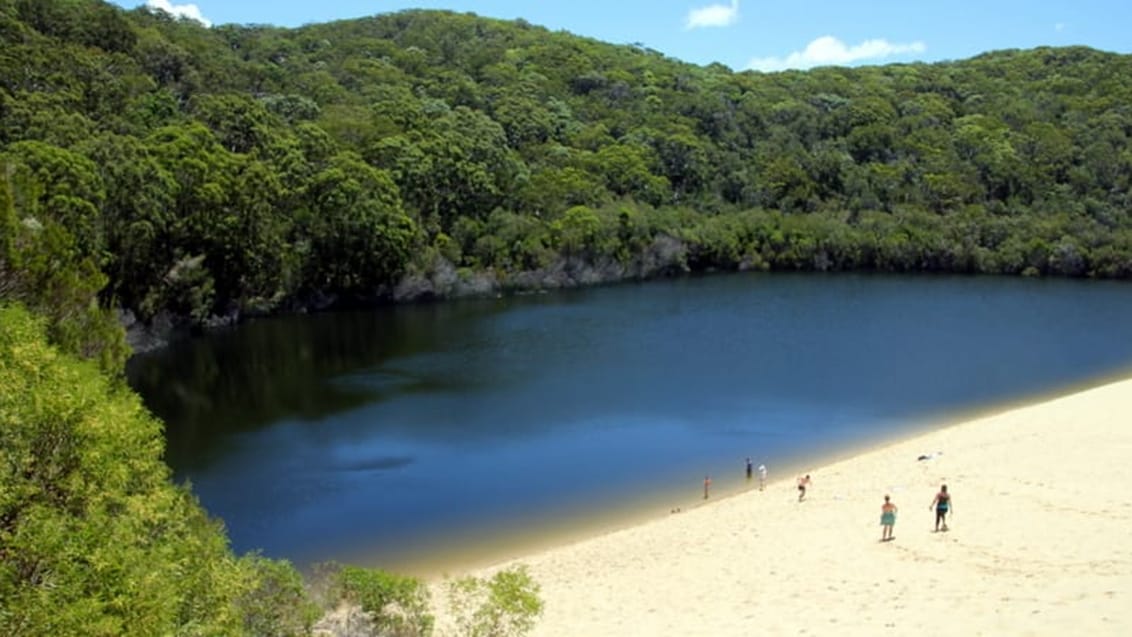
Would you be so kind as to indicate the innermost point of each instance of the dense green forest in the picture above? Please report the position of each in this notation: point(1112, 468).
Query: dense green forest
point(199, 174)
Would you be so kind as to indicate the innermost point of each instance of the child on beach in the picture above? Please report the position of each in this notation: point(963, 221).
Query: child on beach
point(802, 484)
point(942, 506)
point(762, 476)
point(887, 519)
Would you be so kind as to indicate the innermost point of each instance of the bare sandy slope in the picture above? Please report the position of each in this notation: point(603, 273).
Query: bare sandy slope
point(1040, 542)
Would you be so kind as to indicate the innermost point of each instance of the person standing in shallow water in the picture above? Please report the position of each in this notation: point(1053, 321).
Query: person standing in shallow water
point(707, 486)
point(942, 506)
point(887, 519)
point(750, 470)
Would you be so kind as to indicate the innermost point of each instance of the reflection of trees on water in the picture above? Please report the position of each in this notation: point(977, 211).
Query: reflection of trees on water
point(298, 368)
point(797, 351)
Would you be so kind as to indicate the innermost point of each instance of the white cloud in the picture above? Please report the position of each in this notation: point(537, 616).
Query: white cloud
point(828, 50)
point(716, 15)
point(189, 11)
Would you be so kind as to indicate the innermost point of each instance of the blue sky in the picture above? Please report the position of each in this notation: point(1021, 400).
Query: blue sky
point(747, 34)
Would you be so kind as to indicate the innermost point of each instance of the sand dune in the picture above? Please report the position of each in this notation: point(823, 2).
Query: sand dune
point(1040, 542)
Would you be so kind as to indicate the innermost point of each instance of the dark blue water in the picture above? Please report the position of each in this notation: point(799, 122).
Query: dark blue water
point(320, 437)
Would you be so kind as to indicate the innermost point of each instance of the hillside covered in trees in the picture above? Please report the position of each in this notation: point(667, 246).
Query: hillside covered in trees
point(196, 174)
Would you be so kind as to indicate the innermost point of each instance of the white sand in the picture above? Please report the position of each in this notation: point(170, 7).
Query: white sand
point(1040, 542)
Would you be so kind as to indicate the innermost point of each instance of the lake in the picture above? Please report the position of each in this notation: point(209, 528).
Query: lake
point(386, 436)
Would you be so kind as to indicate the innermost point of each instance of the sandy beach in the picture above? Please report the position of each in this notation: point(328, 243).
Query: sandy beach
point(1040, 541)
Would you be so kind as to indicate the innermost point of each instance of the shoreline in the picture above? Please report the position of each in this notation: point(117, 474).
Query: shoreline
point(1033, 480)
point(495, 544)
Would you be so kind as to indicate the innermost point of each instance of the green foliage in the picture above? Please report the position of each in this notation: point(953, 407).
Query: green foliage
point(579, 231)
point(89, 527)
point(506, 605)
point(397, 605)
point(277, 602)
point(215, 172)
point(359, 236)
point(42, 267)
point(94, 539)
point(68, 190)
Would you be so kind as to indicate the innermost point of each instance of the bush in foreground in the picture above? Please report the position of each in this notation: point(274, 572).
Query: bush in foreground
point(94, 537)
point(374, 603)
point(506, 605)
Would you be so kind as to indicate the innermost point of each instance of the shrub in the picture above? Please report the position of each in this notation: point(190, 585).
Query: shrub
point(507, 605)
point(397, 605)
point(275, 602)
point(94, 539)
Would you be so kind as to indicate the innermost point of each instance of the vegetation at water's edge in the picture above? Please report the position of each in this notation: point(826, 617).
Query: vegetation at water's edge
point(212, 172)
point(96, 540)
point(94, 537)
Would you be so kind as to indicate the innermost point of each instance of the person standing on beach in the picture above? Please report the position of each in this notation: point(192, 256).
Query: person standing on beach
point(803, 482)
point(762, 476)
point(887, 519)
point(942, 506)
point(749, 469)
point(707, 486)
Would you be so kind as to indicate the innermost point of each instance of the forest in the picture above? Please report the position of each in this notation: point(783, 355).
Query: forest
point(197, 175)
point(157, 172)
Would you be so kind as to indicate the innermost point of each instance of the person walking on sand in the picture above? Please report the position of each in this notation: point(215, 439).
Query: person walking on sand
point(803, 482)
point(887, 519)
point(749, 469)
point(762, 476)
point(942, 506)
point(707, 486)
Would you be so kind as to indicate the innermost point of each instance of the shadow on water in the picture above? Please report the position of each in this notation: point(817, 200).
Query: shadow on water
point(310, 367)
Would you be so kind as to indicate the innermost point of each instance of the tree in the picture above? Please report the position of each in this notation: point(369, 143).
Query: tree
point(239, 123)
point(138, 215)
point(275, 602)
point(360, 237)
point(505, 605)
point(204, 173)
point(395, 605)
point(42, 267)
point(68, 191)
point(552, 190)
point(579, 232)
point(460, 166)
point(95, 539)
point(627, 171)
